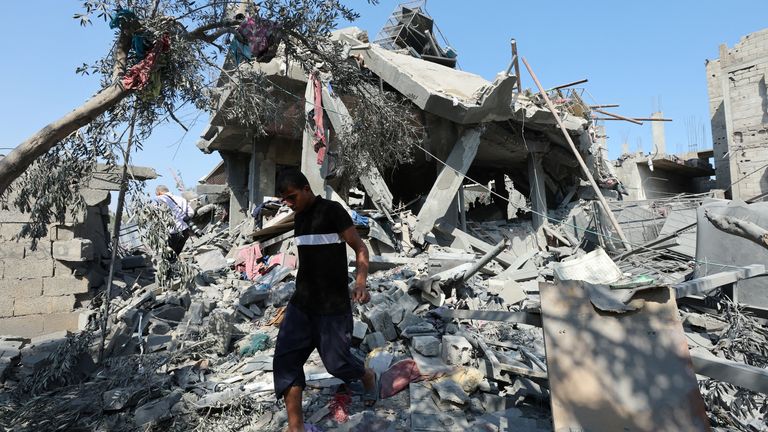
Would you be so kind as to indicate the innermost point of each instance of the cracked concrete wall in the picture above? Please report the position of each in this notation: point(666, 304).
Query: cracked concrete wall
point(738, 105)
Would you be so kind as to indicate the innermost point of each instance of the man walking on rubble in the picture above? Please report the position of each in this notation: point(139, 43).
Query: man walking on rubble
point(319, 315)
point(181, 212)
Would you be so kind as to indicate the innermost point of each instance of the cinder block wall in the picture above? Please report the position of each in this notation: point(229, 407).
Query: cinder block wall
point(738, 105)
point(44, 290)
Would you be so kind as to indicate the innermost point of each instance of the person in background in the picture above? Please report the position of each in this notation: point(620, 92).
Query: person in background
point(181, 211)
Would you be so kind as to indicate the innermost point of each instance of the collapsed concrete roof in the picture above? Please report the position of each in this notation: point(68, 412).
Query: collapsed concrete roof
point(460, 97)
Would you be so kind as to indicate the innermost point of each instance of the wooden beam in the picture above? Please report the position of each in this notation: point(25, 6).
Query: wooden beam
point(634, 118)
point(570, 84)
point(617, 116)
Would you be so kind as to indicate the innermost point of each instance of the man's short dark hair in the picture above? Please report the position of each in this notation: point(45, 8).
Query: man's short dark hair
point(291, 178)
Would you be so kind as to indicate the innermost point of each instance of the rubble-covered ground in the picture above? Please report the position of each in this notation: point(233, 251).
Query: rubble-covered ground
point(197, 355)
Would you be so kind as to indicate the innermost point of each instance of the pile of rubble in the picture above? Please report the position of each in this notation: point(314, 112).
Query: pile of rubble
point(456, 329)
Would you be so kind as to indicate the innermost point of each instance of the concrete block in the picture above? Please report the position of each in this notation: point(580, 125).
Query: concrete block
point(426, 345)
point(359, 330)
point(43, 305)
point(21, 287)
point(28, 268)
point(6, 307)
point(456, 350)
point(254, 294)
point(379, 361)
point(42, 250)
point(380, 320)
point(27, 326)
point(212, 260)
point(508, 290)
point(8, 231)
point(63, 232)
point(75, 250)
point(64, 285)
point(374, 340)
point(12, 249)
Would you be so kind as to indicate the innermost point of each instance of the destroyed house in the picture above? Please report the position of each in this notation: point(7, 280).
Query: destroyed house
point(490, 132)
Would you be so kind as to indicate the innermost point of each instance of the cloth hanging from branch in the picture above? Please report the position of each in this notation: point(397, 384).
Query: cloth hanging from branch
point(321, 145)
point(140, 74)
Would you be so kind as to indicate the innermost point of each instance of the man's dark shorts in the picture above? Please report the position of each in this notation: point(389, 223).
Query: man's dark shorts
point(300, 333)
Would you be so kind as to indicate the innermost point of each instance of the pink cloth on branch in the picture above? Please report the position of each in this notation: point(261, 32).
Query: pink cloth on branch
point(320, 144)
point(139, 75)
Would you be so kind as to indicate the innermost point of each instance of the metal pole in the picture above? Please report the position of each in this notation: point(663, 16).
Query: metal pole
point(576, 153)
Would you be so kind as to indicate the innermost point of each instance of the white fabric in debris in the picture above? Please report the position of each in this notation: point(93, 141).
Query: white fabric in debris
point(595, 267)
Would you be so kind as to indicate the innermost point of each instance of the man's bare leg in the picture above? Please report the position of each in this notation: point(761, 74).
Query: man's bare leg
point(369, 382)
point(293, 407)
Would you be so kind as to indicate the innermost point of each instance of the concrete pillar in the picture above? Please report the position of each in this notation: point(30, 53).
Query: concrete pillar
point(538, 189)
point(462, 209)
point(372, 181)
point(657, 129)
point(261, 175)
point(237, 180)
point(442, 196)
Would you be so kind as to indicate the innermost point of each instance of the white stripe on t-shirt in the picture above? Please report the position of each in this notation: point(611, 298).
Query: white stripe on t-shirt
point(318, 239)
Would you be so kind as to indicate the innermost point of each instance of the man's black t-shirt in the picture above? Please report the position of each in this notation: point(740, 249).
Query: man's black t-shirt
point(321, 285)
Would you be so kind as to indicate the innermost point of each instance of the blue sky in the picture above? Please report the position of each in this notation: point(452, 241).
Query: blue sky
point(635, 54)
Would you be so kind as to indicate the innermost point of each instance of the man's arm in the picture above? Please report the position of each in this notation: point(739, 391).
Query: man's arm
point(360, 294)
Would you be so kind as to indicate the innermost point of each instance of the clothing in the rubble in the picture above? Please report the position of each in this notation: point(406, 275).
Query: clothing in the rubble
point(256, 213)
point(321, 283)
point(321, 146)
point(249, 261)
point(140, 74)
point(359, 219)
point(254, 39)
point(121, 15)
point(300, 333)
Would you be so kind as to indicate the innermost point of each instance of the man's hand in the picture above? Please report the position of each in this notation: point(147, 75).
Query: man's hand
point(360, 294)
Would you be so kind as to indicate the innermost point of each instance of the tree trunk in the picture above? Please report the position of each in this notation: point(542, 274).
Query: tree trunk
point(20, 158)
point(739, 227)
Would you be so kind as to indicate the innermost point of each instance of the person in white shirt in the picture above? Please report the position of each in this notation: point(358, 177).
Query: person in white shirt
point(181, 212)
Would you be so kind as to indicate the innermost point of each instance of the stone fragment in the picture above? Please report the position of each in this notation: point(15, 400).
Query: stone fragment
point(450, 391)
point(409, 319)
point(254, 294)
point(423, 328)
point(379, 360)
point(158, 342)
point(195, 313)
point(374, 340)
point(456, 350)
point(169, 313)
point(381, 321)
point(156, 410)
point(133, 261)
point(359, 330)
point(221, 328)
point(508, 290)
point(212, 260)
point(426, 345)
